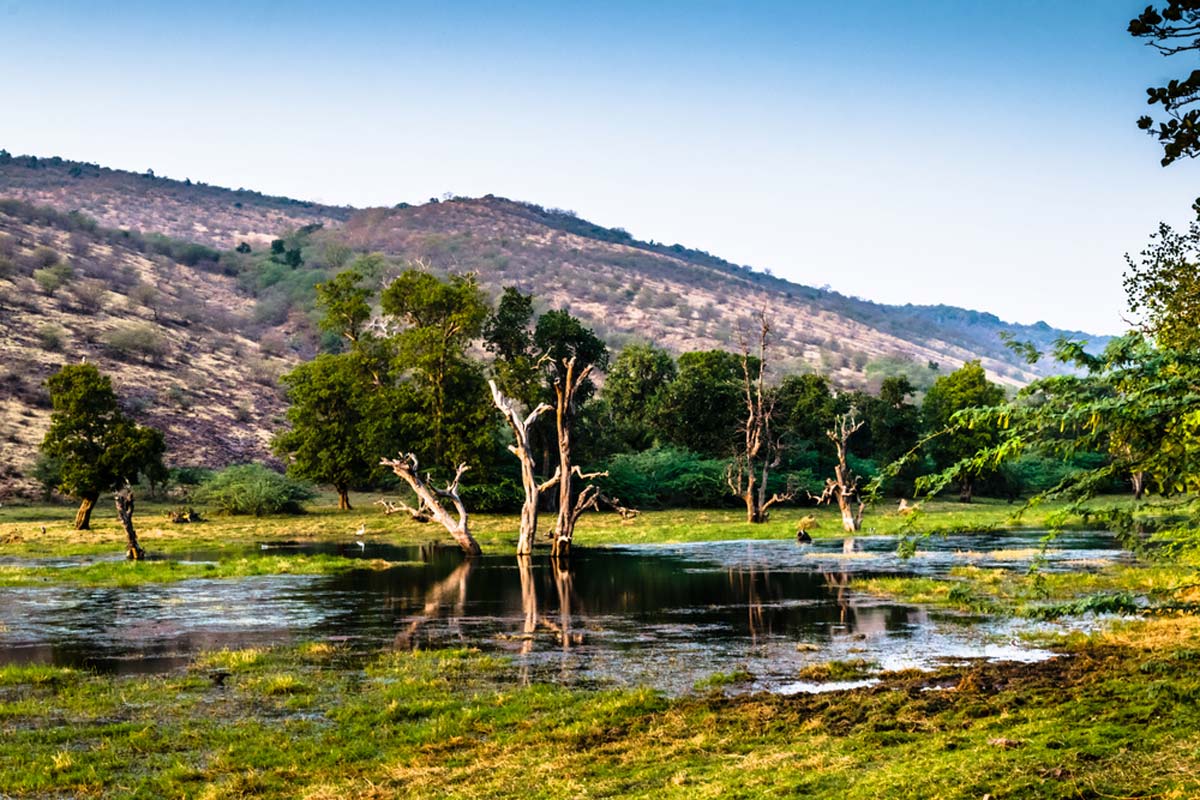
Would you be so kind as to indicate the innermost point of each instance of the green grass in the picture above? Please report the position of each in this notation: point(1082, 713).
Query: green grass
point(1118, 716)
point(21, 526)
point(133, 573)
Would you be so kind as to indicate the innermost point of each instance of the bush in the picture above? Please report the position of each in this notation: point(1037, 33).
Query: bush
point(137, 340)
point(666, 476)
point(50, 337)
point(253, 489)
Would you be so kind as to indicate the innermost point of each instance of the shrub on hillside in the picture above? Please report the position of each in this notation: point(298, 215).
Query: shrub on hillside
point(253, 489)
point(136, 340)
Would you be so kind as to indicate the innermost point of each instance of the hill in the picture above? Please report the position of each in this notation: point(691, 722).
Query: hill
point(174, 337)
point(140, 274)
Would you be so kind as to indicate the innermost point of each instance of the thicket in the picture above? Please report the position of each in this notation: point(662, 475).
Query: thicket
point(252, 489)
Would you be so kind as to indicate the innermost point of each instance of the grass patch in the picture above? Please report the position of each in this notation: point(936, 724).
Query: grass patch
point(1116, 716)
point(134, 573)
point(848, 670)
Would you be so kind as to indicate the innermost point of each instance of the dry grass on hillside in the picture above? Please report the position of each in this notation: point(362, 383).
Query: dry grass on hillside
point(166, 333)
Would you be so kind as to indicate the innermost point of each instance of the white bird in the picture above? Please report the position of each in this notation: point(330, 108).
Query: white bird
point(361, 545)
point(362, 529)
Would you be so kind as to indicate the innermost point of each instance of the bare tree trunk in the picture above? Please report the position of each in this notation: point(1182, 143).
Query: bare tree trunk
point(343, 497)
point(1138, 479)
point(431, 499)
point(523, 450)
point(566, 384)
point(761, 450)
point(83, 517)
point(966, 489)
point(843, 487)
point(124, 503)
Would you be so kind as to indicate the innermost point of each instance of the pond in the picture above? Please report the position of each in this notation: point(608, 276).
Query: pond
point(663, 615)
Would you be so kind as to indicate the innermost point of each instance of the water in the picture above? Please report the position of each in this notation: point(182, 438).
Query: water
point(665, 616)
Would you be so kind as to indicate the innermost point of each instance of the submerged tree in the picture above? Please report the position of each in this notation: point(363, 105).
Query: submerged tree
point(522, 428)
point(433, 499)
point(95, 447)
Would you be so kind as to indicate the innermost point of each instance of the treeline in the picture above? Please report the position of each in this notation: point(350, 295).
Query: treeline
point(407, 369)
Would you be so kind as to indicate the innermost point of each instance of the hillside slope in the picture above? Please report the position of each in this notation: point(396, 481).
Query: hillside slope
point(195, 339)
point(169, 334)
point(196, 212)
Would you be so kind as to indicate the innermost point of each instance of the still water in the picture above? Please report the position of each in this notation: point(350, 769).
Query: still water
point(663, 615)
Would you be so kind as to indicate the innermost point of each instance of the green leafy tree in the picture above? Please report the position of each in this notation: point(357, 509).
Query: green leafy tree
point(1163, 287)
point(632, 386)
point(508, 335)
point(337, 420)
point(701, 409)
point(346, 304)
point(965, 388)
point(445, 391)
point(94, 446)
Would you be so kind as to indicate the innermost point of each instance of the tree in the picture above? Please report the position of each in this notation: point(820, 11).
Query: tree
point(632, 387)
point(1173, 28)
point(1163, 287)
point(408, 469)
point(507, 335)
point(346, 303)
point(762, 446)
point(446, 388)
point(708, 394)
point(843, 486)
point(95, 446)
point(965, 388)
point(335, 418)
point(571, 351)
point(522, 427)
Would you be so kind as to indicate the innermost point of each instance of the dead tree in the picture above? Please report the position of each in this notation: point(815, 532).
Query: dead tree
point(615, 504)
point(432, 499)
point(124, 503)
point(399, 506)
point(762, 449)
point(567, 382)
point(522, 449)
point(843, 487)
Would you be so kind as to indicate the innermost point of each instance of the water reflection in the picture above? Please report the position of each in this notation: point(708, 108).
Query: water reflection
point(664, 616)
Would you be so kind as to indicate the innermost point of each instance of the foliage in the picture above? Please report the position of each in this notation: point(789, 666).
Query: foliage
point(507, 336)
point(336, 420)
point(1173, 28)
point(345, 303)
point(960, 438)
point(666, 477)
point(94, 445)
point(700, 409)
point(445, 387)
point(1163, 287)
point(632, 387)
point(253, 489)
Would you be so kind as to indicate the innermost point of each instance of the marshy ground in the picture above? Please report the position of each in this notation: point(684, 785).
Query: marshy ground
point(1114, 714)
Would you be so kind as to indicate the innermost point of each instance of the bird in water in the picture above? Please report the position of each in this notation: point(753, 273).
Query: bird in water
point(361, 533)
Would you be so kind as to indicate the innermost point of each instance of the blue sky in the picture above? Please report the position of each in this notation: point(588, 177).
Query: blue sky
point(978, 154)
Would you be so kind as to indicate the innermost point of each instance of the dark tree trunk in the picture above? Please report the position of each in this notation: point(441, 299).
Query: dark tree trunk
point(124, 502)
point(966, 490)
point(83, 517)
point(343, 498)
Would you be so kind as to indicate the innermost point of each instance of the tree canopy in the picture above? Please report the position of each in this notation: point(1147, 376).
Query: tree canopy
point(93, 446)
